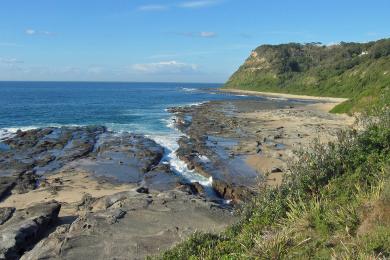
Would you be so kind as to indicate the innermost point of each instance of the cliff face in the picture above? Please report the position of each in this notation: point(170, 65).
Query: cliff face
point(359, 71)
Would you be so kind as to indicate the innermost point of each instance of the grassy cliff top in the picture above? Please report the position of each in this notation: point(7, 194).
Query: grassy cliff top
point(358, 71)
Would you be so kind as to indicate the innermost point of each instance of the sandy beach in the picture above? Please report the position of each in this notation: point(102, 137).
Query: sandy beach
point(295, 129)
point(283, 95)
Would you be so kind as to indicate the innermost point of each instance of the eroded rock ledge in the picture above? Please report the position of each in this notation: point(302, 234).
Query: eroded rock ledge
point(21, 229)
point(32, 154)
point(148, 207)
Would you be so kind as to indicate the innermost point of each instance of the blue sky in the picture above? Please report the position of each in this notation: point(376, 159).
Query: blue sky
point(183, 40)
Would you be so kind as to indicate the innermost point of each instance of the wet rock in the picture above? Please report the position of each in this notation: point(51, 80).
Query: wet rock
point(26, 228)
point(232, 192)
point(203, 137)
point(127, 151)
point(187, 188)
point(6, 214)
point(198, 187)
point(194, 188)
point(161, 178)
point(47, 149)
point(26, 182)
point(143, 190)
point(117, 158)
point(7, 183)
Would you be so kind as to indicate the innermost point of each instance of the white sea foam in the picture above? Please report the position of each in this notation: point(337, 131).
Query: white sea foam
point(170, 122)
point(189, 89)
point(9, 132)
point(187, 105)
point(5, 134)
point(169, 141)
point(197, 104)
point(204, 158)
point(276, 98)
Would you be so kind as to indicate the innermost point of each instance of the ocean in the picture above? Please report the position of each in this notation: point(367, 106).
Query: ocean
point(121, 107)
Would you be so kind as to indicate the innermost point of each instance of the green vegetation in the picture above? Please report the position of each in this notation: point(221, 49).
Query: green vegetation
point(335, 202)
point(358, 71)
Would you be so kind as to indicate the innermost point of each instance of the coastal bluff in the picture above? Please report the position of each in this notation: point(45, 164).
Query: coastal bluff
point(357, 71)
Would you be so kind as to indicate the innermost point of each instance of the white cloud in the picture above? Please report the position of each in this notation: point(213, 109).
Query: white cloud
point(186, 4)
point(153, 7)
point(95, 70)
point(11, 61)
point(198, 34)
point(207, 34)
point(9, 44)
point(30, 32)
point(164, 67)
point(198, 4)
point(36, 32)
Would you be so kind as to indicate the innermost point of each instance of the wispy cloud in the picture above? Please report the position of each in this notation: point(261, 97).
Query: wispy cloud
point(286, 32)
point(9, 44)
point(164, 67)
point(153, 7)
point(32, 32)
point(198, 4)
point(195, 4)
point(95, 69)
point(10, 61)
point(207, 34)
point(204, 34)
point(174, 55)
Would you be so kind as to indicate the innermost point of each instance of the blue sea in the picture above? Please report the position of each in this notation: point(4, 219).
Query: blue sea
point(136, 107)
point(121, 107)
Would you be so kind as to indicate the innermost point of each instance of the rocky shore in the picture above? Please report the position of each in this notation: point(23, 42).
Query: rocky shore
point(86, 192)
point(244, 144)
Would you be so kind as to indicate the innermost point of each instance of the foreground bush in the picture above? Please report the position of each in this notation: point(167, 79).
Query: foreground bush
point(334, 203)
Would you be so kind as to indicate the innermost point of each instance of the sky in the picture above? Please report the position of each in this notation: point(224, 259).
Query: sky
point(169, 41)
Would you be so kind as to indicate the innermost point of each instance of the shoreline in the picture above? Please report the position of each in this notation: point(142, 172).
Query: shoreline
point(284, 95)
point(235, 143)
point(255, 133)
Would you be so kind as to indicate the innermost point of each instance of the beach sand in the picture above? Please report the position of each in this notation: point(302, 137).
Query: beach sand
point(283, 95)
point(298, 128)
point(68, 188)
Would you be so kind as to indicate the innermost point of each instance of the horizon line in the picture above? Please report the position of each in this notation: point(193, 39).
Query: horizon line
point(109, 81)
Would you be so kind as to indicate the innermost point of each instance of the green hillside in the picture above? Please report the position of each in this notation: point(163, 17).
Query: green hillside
point(359, 71)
